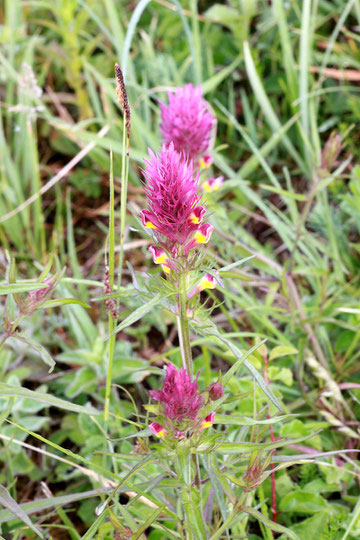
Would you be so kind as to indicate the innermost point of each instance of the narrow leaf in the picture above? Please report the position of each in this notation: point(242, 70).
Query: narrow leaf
point(51, 401)
point(8, 502)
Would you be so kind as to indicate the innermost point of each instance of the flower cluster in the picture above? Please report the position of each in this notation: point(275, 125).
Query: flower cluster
point(182, 404)
point(175, 214)
point(187, 123)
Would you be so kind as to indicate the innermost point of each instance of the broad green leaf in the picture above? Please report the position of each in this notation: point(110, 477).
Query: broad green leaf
point(282, 350)
point(303, 503)
point(51, 401)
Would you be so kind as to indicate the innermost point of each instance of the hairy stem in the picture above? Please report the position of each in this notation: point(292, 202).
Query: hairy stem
point(183, 326)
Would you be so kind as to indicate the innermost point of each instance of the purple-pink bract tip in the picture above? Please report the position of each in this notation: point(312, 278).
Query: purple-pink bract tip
point(179, 395)
point(187, 122)
point(172, 193)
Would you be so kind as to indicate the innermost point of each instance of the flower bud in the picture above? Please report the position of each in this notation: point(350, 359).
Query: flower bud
point(216, 391)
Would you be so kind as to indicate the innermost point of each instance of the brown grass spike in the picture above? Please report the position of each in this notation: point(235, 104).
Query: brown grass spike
point(122, 97)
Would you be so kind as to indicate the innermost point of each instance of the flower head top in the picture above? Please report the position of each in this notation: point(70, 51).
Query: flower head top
point(180, 398)
point(187, 122)
point(174, 209)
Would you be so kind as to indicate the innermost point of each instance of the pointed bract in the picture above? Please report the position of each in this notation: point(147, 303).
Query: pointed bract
point(187, 123)
point(172, 192)
point(179, 395)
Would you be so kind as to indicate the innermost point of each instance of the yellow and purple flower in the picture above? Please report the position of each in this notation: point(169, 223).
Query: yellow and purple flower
point(187, 123)
point(208, 281)
point(158, 430)
point(212, 184)
point(208, 421)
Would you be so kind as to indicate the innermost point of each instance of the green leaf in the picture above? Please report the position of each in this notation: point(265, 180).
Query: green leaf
point(268, 523)
point(303, 503)
point(63, 302)
point(8, 502)
point(247, 447)
point(138, 313)
point(51, 401)
point(148, 522)
point(237, 420)
point(20, 287)
point(43, 353)
point(44, 504)
point(282, 350)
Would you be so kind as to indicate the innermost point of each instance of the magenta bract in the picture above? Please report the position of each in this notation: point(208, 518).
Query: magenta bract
point(172, 191)
point(187, 122)
point(179, 395)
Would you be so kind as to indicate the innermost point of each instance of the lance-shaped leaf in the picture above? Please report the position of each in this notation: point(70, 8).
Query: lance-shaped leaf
point(138, 313)
point(268, 523)
point(51, 401)
point(42, 352)
point(8, 502)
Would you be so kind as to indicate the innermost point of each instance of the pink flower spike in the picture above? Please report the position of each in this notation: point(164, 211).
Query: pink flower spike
point(172, 192)
point(179, 395)
point(208, 421)
point(201, 236)
point(186, 122)
point(158, 430)
point(212, 184)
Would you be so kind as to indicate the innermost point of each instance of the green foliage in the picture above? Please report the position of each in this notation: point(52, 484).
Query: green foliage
point(284, 330)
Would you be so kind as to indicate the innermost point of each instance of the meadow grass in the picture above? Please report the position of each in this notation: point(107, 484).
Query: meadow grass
point(282, 80)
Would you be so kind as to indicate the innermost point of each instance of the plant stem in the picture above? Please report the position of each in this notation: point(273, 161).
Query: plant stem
point(124, 187)
point(183, 325)
point(111, 278)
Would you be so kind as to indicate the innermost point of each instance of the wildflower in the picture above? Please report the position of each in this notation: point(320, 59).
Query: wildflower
point(160, 257)
point(216, 391)
point(179, 395)
point(208, 421)
point(158, 429)
point(187, 123)
point(201, 236)
point(208, 281)
point(205, 161)
point(174, 209)
point(212, 184)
